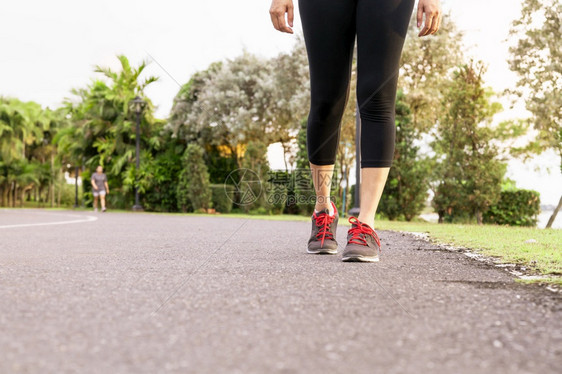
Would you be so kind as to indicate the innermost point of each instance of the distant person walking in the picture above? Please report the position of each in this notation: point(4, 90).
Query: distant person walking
point(101, 188)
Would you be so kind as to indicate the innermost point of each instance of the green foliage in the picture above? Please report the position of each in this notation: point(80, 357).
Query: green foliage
point(302, 153)
point(425, 68)
point(536, 59)
point(405, 191)
point(162, 174)
point(219, 165)
point(304, 190)
point(102, 131)
point(255, 160)
point(221, 197)
point(466, 167)
point(509, 243)
point(515, 208)
point(180, 123)
point(67, 194)
point(259, 211)
point(244, 99)
point(28, 166)
point(193, 191)
point(352, 194)
point(279, 189)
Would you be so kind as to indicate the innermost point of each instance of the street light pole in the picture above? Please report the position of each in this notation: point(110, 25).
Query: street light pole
point(138, 107)
point(355, 210)
point(76, 187)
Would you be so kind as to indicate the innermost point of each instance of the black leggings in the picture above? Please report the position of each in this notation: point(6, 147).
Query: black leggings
point(330, 27)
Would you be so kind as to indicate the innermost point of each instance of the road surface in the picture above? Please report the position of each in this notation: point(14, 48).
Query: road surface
point(145, 293)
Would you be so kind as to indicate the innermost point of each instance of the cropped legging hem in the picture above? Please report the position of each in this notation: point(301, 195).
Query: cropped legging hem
point(364, 163)
point(321, 162)
point(376, 163)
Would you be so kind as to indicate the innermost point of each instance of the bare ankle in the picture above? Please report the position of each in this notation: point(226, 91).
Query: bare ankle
point(319, 207)
point(324, 205)
point(368, 221)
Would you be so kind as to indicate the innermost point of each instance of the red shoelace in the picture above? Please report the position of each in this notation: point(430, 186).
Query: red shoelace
point(358, 228)
point(324, 221)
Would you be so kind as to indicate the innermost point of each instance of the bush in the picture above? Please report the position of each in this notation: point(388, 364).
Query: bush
point(67, 194)
point(221, 197)
point(259, 211)
point(515, 208)
point(163, 172)
point(193, 191)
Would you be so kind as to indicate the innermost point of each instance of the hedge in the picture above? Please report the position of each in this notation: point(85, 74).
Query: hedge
point(515, 208)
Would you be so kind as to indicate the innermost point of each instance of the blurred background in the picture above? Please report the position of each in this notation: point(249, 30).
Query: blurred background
point(478, 112)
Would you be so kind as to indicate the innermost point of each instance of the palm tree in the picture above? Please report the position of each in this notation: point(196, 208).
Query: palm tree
point(101, 125)
point(25, 129)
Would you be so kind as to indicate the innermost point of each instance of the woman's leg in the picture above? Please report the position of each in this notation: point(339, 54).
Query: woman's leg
point(372, 185)
point(322, 181)
point(381, 30)
point(329, 33)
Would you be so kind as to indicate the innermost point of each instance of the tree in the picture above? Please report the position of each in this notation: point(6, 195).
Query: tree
point(181, 124)
point(104, 129)
point(25, 142)
point(304, 189)
point(426, 67)
point(290, 97)
point(424, 71)
point(406, 189)
point(467, 158)
point(193, 190)
point(161, 173)
point(229, 107)
point(536, 58)
point(244, 99)
point(255, 160)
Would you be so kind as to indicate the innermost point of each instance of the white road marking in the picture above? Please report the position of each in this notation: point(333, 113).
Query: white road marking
point(82, 219)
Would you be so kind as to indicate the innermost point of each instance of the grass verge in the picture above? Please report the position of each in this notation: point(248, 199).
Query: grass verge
point(537, 249)
point(557, 281)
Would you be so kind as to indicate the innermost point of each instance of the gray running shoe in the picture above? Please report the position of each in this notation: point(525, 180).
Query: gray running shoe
point(363, 243)
point(323, 237)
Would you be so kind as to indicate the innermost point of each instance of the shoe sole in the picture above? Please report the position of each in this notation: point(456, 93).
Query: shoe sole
point(360, 259)
point(322, 251)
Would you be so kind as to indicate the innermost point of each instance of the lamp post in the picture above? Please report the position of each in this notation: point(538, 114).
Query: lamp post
point(355, 210)
point(138, 105)
point(76, 187)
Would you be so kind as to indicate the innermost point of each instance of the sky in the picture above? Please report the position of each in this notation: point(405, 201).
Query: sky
point(50, 47)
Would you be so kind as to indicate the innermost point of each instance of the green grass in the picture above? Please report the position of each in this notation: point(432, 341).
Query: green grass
point(504, 242)
point(557, 281)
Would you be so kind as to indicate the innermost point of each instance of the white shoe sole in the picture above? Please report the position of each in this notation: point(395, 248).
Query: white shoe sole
point(322, 251)
point(360, 259)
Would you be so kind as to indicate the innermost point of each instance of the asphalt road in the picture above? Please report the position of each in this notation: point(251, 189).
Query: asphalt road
point(147, 293)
